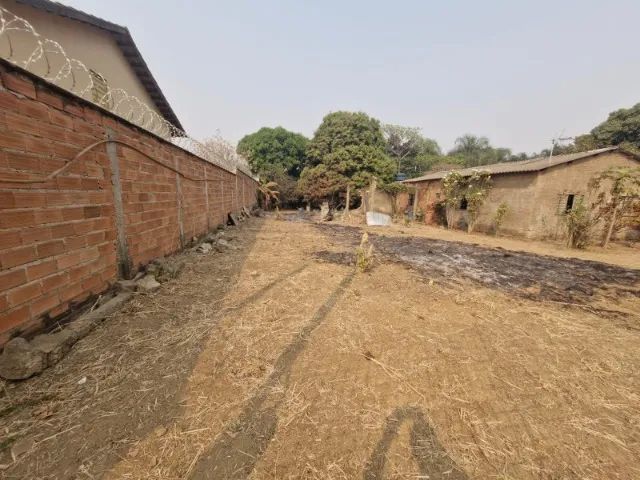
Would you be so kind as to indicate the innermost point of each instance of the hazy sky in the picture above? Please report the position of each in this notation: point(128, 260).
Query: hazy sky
point(518, 72)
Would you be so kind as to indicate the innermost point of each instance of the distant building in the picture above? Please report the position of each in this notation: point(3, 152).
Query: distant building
point(538, 191)
point(107, 49)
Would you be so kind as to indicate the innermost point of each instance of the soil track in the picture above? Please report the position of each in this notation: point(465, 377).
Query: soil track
point(277, 360)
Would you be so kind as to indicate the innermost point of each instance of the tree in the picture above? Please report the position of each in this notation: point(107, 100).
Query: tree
point(406, 143)
point(472, 189)
point(271, 150)
point(623, 192)
point(347, 149)
point(342, 129)
point(622, 128)
point(476, 151)
point(268, 192)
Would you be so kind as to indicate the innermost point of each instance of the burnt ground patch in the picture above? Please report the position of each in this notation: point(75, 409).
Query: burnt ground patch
point(338, 258)
point(569, 280)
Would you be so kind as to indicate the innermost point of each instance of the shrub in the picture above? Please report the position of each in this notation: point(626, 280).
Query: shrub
point(364, 254)
point(498, 217)
point(579, 224)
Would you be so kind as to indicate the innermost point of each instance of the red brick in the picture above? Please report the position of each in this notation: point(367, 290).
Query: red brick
point(20, 218)
point(7, 200)
point(19, 84)
point(28, 199)
point(44, 304)
point(4, 303)
point(35, 110)
point(35, 234)
point(12, 279)
point(22, 161)
point(54, 281)
point(10, 239)
point(64, 230)
point(42, 269)
point(50, 249)
point(8, 100)
point(73, 213)
point(18, 256)
point(13, 140)
point(91, 212)
point(50, 99)
point(75, 243)
point(61, 119)
point(74, 108)
point(14, 318)
point(70, 292)
point(59, 310)
point(92, 284)
point(23, 294)
point(49, 215)
point(76, 257)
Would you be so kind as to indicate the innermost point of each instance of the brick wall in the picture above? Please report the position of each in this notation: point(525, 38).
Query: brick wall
point(59, 240)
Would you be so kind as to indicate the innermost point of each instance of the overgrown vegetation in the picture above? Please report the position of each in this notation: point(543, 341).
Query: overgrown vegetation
point(579, 223)
point(267, 193)
point(618, 206)
point(364, 254)
point(471, 190)
point(499, 216)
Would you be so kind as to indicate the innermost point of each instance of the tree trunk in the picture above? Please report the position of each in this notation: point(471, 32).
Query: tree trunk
point(348, 201)
point(607, 237)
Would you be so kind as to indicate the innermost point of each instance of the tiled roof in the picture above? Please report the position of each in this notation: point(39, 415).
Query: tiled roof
point(531, 165)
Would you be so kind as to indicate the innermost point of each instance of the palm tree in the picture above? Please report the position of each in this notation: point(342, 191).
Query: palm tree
point(268, 191)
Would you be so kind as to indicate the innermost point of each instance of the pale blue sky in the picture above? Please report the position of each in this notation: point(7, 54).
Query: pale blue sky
point(518, 72)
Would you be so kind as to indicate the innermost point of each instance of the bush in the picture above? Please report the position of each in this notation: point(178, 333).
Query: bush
point(579, 225)
point(498, 217)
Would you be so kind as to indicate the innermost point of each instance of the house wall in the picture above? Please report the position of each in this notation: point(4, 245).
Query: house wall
point(535, 200)
point(571, 178)
point(93, 46)
point(59, 242)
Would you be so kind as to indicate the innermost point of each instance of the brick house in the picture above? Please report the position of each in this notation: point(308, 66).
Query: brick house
point(537, 191)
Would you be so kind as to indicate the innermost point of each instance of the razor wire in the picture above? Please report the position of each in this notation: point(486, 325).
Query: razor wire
point(47, 59)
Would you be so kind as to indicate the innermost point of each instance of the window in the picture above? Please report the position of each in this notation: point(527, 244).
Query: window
point(570, 200)
point(463, 204)
point(99, 90)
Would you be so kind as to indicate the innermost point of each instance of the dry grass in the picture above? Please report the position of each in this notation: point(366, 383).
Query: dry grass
point(509, 388)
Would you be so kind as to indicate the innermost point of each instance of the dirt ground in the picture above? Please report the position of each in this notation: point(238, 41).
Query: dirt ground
point(278, 360)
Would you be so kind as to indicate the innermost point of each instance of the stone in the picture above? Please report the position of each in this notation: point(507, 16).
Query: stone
point(164, 269)
point(246, 211)
point(204, 248)
point(148, 283)
point(20, 360)
point(233, 220)
point(126, 285)
point(54, 346)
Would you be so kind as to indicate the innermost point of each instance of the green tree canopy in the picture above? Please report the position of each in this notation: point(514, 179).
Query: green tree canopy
point(342, 129)
point(347, 149)
point(622, 128)
point(476, 151)
point(272, 151)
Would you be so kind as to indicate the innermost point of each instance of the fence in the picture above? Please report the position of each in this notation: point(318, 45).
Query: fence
point(88, 195)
